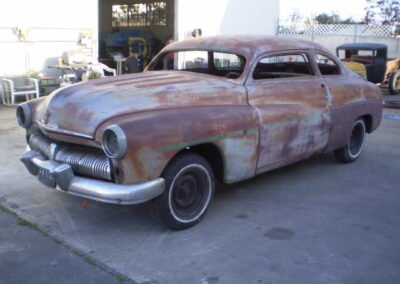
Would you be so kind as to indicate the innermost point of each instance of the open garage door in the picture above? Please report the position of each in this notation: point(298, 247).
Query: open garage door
point(134, 31)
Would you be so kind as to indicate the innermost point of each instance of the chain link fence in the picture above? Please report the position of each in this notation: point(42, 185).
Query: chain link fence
point(332, 36)
point(336, 30)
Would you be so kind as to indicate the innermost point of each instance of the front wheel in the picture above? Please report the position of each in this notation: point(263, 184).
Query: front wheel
point(394, 83)
point(188, 192)
point(355, 145)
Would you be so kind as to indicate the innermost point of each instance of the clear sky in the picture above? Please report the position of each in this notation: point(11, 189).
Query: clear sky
point(345, 8)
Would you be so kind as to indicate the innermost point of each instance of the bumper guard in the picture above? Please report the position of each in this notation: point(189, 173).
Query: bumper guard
point(60, 176)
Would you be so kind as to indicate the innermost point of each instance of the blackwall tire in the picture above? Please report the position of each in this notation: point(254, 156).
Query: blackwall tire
point(190, 186)
point(355, 145)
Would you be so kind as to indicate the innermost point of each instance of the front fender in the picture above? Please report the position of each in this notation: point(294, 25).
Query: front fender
point(155, 137)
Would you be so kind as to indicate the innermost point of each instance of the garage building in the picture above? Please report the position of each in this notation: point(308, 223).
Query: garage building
point(34, 37)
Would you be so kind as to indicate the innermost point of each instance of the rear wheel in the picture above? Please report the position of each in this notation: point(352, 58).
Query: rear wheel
point(355, 145)
point(189, 190)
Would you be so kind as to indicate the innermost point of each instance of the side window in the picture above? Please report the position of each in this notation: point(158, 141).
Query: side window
point(189, 60)
point(283, 66)
point(207, 62)
point(326, 65)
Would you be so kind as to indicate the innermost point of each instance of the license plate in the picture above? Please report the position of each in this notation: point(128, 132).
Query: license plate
point(46, 178)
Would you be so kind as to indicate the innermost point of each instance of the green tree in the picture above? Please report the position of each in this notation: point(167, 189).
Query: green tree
point(331, 19)
point(327, 19)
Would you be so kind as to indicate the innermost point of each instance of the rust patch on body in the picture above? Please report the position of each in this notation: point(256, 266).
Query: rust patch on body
point(155, 137)
point(256, 125)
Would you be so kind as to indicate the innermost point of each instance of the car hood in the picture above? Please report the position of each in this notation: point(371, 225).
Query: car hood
point(80, 109)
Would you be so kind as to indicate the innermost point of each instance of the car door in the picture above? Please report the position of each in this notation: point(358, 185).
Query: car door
point(343, 94)
point(292, 106)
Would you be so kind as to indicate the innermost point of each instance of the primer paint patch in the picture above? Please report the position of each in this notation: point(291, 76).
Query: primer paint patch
point(392, 116)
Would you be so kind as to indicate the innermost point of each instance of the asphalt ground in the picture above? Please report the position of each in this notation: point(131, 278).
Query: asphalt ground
point(316, 221)
point(28, 255)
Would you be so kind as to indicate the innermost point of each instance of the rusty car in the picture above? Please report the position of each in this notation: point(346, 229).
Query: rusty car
point(205, 110)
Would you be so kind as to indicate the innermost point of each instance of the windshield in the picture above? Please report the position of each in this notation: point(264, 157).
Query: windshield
point(207, 62)
point(357, 55)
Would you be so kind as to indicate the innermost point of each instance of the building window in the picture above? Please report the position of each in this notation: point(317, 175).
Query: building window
point(140, 14)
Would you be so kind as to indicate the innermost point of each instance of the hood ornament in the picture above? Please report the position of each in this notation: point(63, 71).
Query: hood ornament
point(44, 123)
point(46, 117)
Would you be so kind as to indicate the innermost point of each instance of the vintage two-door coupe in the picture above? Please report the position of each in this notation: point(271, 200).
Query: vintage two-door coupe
point(217, 108)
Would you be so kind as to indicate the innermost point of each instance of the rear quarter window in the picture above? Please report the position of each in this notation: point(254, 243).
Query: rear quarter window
point(327, 65)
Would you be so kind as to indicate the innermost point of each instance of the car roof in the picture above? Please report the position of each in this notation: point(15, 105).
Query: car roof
point(247, 45)
point(363, 45)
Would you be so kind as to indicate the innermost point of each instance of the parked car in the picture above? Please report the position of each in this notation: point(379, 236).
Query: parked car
point(370, 60)
point(372, 55)
point(213, 108)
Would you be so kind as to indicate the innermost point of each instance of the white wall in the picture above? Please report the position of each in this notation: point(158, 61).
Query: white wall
point(53, 27)
point(226, 17)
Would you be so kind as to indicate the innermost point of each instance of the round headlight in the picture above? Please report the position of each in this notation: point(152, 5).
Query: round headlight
point(114, 142)
point(24, 115)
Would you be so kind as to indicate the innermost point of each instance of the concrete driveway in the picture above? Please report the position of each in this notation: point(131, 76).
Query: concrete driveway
point(317, 221)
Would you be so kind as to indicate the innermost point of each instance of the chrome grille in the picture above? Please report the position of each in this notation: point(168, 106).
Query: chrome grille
point(83, 160)
point(40, 144)
point(86, 163)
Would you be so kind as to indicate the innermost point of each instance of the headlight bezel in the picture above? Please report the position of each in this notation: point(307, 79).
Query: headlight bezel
point(114, 142)
point(24, 115)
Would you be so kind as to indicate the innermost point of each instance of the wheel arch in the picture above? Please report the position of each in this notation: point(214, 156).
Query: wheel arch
point(368, 120)
point(211, 153)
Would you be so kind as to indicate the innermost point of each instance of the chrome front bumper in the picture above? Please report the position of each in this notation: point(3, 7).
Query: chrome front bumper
point(60, 176)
